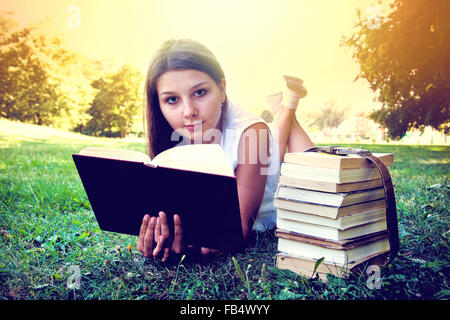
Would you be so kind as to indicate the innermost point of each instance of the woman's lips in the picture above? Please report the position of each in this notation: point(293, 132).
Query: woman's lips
point(194, 126)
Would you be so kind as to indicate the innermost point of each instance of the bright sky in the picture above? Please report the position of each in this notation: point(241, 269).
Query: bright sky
point(256, 41)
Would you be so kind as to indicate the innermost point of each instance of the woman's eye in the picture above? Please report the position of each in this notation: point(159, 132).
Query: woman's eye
point(200, 92)
point(172, 100)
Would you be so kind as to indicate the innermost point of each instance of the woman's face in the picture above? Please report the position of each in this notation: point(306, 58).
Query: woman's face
point(191, 101)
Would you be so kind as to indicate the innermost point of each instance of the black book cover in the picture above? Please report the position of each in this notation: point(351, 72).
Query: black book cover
point(122, 192)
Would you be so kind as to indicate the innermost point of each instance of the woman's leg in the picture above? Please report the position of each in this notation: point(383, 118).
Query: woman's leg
point(281, 128)
point(291, 136)
point(298, 140)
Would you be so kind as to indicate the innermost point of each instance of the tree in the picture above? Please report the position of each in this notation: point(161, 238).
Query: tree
point(42, 82)
point(26, 94)
point(329, 116)
point(405, 57)
point(36, 76)
point(74, 91)
point(117, 103)
point(7, 24)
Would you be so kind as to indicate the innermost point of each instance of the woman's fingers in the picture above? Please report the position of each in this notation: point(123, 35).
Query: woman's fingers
point(177, 245)
point(166, 254)
point(144, 226)
point(162, 234)
point(165, 231)
point(208, 251)
point(157, 232)
point(148, 238)
point(159, 246)
point(154, 236)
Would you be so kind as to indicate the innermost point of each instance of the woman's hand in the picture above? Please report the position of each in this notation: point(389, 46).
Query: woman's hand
point(155, 238)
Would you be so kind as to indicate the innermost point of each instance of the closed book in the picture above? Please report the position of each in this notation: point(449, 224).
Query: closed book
point(339, 162)
point(332, 255)
point(331, 233)
point(329, 174)
point(331, 244)
point(308, 267)
point(341, 223)
point(329, 211)
point(299, 182)
point(340, 199)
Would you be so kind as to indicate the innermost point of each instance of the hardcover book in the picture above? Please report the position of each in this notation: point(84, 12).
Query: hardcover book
point(299, 182)
point(323, 160)
point(310, 267)
point(341, 223)
point(194, 181)
point(330, 209)
point(336, 252)
point(336, 199)
point(331, 233)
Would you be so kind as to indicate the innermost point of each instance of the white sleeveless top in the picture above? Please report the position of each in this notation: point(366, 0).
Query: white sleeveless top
point(236, 121)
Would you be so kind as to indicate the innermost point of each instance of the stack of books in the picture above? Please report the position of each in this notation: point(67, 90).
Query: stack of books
point(330, 209)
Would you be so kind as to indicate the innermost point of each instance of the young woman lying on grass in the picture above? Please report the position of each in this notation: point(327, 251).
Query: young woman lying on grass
point(186, 93)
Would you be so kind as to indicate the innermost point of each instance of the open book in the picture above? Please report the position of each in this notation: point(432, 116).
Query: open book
point(194, 181)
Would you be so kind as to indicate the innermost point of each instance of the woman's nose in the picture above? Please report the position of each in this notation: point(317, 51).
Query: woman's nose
point(190, 109)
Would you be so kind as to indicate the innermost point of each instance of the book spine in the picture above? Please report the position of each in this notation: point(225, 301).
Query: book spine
point(328, 211)
point(297, 182)
point(331, 244)
point(338, 162)
point(329, 175)
point(333, 255)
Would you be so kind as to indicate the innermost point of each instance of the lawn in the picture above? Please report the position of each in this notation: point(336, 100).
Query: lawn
point(51, 246)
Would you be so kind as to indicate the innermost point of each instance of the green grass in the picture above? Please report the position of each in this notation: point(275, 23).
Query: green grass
point(50, 237)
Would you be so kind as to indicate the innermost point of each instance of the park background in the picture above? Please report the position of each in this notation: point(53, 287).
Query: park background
point(71, 76)
point(87, 61)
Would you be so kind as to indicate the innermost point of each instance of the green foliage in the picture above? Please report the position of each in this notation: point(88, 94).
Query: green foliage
point(116, 104)
point(406, 60)
point(49, 237)
point(328, 116)
point(46, 84)
point(74, 90)
point(27, 91)
point(7, 24)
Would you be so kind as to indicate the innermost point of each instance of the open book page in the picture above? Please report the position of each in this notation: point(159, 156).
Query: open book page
point(119, 154)
point(209, 158)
